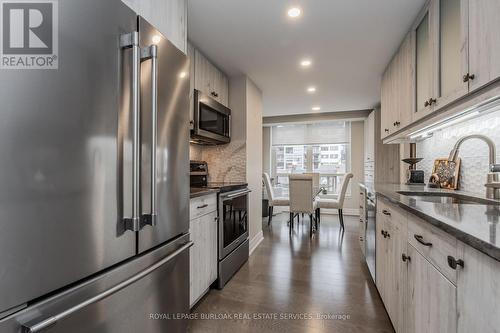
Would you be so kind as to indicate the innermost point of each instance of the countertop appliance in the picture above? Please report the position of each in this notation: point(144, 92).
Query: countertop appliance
point(212, 121)
point(413, 176)
point(233, 221)
point(94, 207)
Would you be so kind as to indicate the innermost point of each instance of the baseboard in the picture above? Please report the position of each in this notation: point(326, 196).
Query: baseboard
point(255, 242)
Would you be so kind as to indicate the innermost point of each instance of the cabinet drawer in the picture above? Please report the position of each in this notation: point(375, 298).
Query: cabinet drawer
point(392, 213)
point(434, 244)
point(202, 205)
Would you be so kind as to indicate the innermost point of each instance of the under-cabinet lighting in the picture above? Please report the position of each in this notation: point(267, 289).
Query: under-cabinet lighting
point(311, 89)
point(316, 108)
point(488, 106)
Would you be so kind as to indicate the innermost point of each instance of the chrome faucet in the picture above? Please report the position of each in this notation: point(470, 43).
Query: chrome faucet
point(493, 177)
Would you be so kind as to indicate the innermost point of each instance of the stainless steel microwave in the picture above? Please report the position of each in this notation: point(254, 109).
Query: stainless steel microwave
point(211, 122)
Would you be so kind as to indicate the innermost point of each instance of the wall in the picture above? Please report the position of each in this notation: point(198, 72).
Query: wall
point(266, 150)
point(351, 204)
point(254, 156)
point(474, 153)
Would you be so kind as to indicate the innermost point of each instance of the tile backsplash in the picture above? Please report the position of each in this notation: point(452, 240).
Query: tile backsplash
point(474, 152)
point(225, 162)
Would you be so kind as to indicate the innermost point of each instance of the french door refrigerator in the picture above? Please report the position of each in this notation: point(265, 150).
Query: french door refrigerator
point(94, 174)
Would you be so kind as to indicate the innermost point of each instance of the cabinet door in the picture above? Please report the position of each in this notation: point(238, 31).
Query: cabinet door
point(431, 298)
point(203, 255)
point(478, 292)
point(406, 82)
point(452, 59)
point(209, 227)
point(389, 100)
point(396, 270)
point(202, 73)
point(380, 256)
point(424, 64)
point(224, 90)
point(484, 41)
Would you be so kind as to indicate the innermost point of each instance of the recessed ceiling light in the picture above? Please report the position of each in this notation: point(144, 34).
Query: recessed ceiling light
point(294, 12)
point(156, 39)
point(316, 108)
point(311, 89)
point(305, 62)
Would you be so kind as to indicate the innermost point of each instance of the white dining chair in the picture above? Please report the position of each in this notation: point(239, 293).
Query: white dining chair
point(302, 199)
point(273, 200)
point(337, 203)
point(315, 177)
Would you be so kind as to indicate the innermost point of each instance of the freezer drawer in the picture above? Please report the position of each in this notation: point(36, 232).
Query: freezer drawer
point(149, 304)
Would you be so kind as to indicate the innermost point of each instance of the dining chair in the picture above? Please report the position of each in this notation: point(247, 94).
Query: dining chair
point(273, 200)
point(315, 176)
point(337, 203)
point(302, 199)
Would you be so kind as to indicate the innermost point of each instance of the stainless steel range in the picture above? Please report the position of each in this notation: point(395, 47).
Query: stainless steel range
point(233, 243)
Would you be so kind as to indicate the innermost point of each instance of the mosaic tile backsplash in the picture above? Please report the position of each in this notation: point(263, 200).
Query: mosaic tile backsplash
point(474, 153)
point(225, 163)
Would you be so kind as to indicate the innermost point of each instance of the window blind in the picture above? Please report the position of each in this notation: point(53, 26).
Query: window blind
point(312, 134)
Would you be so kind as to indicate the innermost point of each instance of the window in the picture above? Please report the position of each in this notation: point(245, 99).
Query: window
point(318, 147)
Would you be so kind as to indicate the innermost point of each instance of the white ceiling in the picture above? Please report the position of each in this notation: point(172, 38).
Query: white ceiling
point(349, 41)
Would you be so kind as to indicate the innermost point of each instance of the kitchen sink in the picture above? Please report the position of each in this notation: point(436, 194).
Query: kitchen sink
point(448, 198)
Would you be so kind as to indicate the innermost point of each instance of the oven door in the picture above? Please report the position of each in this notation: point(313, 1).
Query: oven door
point(212, 120)
point(233, 220)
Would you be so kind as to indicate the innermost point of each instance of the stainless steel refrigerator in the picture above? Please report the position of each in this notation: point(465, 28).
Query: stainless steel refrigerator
point(94, 180)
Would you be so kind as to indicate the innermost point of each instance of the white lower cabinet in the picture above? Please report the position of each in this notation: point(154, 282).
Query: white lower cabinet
point(431, 301)
point(203, 254)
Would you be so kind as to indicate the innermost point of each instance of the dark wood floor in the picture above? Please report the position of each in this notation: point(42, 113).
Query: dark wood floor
point(298, 277)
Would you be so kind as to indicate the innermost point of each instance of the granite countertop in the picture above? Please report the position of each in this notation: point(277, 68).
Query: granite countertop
point(477, 225)
point(198, 192)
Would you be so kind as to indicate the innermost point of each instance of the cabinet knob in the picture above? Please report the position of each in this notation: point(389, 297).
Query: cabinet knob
point(453, 263)
point(467, 77)
point(432, 101)
point(386, 130)
point(405, 258)
point(398, 123)
point(426, 104)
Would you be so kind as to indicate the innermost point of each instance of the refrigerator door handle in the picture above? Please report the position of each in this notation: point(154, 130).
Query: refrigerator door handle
point(131, 40)
point(54, 319)
point(151, 53)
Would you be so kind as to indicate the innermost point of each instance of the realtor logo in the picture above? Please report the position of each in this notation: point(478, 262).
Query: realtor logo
point(29, 38)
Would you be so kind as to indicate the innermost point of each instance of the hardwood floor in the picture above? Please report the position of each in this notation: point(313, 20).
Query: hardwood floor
point(298, 277)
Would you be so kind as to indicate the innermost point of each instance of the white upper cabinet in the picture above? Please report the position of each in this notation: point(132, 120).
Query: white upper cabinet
point(168, 16)
point(484, 41)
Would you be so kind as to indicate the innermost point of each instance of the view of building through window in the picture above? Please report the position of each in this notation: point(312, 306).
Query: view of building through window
point(330, 159)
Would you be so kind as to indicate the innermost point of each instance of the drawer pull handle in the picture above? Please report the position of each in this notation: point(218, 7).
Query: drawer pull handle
point(386, 212)
point(202, 206)
point(420, 239)
point(453, 263)
point(405, 258)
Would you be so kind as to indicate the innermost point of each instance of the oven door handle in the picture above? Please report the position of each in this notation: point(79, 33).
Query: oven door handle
point(237, 194)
